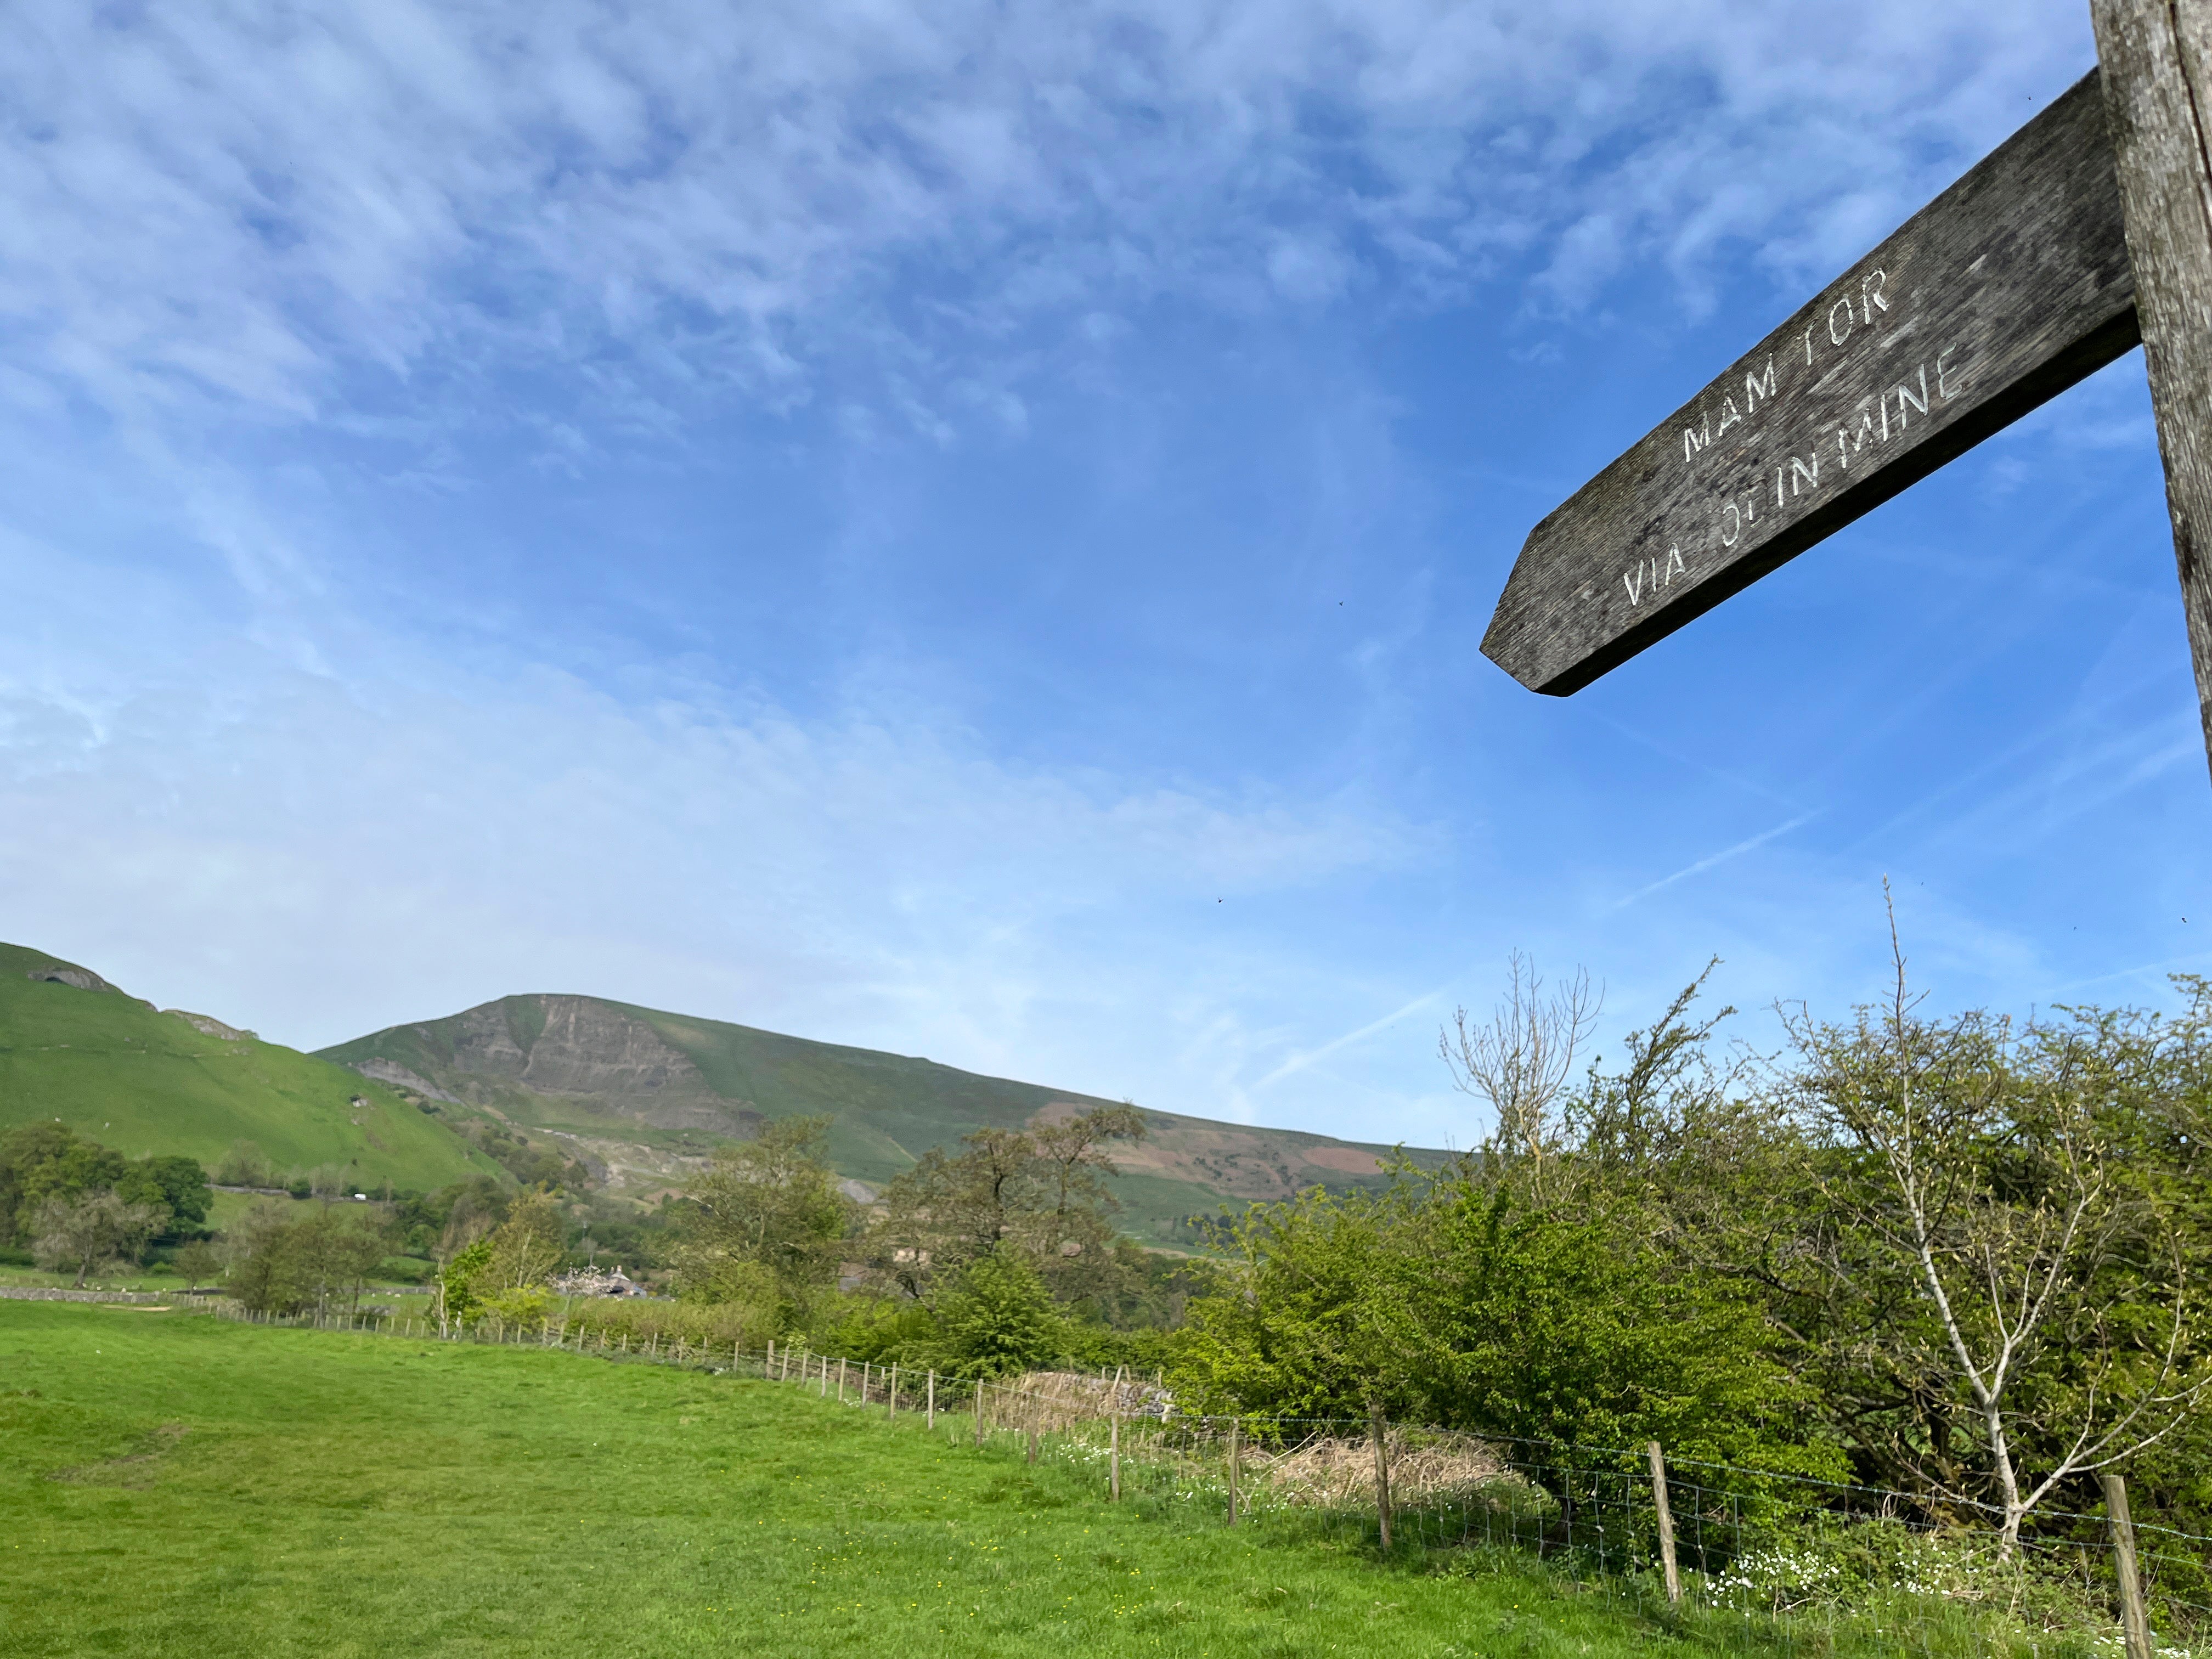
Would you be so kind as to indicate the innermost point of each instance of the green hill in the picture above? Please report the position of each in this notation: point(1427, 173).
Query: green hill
point(640, 1094)
point(113, 1067)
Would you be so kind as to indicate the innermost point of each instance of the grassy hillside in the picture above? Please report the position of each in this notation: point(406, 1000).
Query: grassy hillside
point(113, 1067)
point(640, 1091)
point(175, 1486)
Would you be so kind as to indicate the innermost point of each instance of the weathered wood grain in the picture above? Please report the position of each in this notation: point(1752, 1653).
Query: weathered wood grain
point(2004, 291)
point(2156, 55)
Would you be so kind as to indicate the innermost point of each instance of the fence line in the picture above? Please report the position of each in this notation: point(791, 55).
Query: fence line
point(1761, 1560)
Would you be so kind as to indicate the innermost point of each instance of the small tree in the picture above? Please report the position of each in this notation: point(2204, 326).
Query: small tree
point(768, 1206)
point(178, 1184)
point(1071, 1235)
point(526, 1246)
point(245, 1165)
point(199, 1263)
point(462, 1285)
point(93, 1229)
point(264, 1267)
point(997, 1320)
point(1521, 1058)
point(1042, 1191)
point(1984, 1179)
point(335, 1253)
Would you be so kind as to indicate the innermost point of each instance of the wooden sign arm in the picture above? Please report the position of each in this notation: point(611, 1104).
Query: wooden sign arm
point(2005, 289)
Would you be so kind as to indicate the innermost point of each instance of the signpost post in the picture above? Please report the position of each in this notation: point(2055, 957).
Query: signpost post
point(2012, 285)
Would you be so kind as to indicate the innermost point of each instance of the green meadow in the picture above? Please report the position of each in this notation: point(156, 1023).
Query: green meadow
point(171, 1483)
point(118, 1072)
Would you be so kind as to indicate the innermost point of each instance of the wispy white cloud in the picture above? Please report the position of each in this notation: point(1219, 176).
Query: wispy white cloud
point(281, 209)
point(233, 833)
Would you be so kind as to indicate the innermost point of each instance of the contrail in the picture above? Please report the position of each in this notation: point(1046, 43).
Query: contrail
point(1722, 857)
point(1299, 1062)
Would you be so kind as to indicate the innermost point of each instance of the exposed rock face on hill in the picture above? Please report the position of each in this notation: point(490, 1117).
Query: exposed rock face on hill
point(643, 1095)
point(64, 973)
point(591, 1048)
point(209, 1025)
point(391, 1072)
point(556, 1058)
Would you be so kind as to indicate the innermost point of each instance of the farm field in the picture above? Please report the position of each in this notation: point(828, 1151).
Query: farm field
point(176, 1484)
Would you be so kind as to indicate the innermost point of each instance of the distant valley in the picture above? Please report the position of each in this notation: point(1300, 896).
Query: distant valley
point(624, 1098)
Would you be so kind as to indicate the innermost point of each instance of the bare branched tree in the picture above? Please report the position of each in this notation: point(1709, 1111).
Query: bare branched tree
point(1521, 1058)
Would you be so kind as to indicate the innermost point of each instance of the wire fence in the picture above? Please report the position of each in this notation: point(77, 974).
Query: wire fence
point(1746, 1559)
point(1771, 1563)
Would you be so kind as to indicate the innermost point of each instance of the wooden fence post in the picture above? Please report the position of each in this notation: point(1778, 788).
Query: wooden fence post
point(893, 1412)
point(930, 1421)
point(2135, 1624)
point(1114, 1441)
point(825, 1377)
point(1379, 1432)
point(1665, 1524)
point(979, 1414)
point(1236, 1445)
point(1114, 1455)
point(2151, 55)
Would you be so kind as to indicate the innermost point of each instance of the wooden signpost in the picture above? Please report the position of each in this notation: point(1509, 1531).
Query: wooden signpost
point(2009, 286)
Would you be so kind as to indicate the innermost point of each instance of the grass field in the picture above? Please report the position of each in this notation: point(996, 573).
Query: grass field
point(175, 1484)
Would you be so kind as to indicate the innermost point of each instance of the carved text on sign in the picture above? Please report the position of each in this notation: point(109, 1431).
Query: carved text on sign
point(2007, 287)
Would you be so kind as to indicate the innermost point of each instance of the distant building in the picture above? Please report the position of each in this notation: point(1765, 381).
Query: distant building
point(598, 1281)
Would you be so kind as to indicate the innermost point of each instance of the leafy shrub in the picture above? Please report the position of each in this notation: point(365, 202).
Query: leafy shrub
point(998, 1319)
point(529, 1305)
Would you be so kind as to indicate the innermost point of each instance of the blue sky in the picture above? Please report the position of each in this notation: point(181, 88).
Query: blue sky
point(965, 529)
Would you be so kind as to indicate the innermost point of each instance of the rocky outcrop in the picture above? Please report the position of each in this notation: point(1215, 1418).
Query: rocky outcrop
point(62, 973)
point(591, 1047)
point(391, 1072)
point(572, 1047)
point(208, 1026)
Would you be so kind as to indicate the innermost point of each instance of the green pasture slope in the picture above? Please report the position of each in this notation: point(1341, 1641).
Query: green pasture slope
point(170, 1485)
point(114, 1069)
